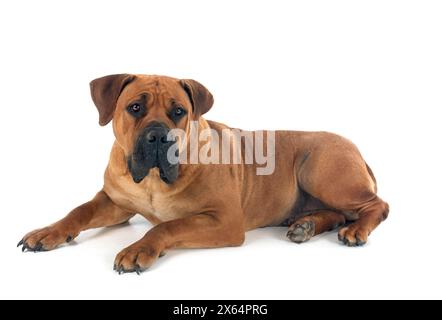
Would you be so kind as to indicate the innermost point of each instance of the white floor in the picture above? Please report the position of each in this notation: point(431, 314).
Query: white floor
point(396, 263)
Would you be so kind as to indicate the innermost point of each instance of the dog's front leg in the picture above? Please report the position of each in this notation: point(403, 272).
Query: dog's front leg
point(99, 212)
point(205, 230)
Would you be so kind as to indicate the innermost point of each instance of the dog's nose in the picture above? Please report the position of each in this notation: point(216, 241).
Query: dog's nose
point(156, 134)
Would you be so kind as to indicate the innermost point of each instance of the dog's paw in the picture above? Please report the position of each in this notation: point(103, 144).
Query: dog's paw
point(45, 239)
point(136, 258)
point(301, 232)
point(353, 235)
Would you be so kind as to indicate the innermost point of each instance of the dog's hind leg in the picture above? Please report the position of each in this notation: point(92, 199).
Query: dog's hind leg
point(318, 222)
point(336, 174)
point(370, 215)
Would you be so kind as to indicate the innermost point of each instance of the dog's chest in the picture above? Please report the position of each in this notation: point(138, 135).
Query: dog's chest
point(156, 205)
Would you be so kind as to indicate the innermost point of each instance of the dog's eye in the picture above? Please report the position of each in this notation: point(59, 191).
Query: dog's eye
point(136, 110)
point(179, 111)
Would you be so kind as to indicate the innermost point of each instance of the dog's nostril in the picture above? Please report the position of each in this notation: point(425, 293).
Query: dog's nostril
point(164, 139)
point(151, 139)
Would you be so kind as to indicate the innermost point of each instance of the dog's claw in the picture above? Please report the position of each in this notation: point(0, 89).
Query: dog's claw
point(20, 243)
point(69, 239)
point(38, 247)
point(120, 270)
point(359, 242)
point(137, 269)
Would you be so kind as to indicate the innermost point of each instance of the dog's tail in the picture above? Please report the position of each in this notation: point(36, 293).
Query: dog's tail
point(370, 172)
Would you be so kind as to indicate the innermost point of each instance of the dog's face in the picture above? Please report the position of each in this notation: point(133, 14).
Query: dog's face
point(144, 109)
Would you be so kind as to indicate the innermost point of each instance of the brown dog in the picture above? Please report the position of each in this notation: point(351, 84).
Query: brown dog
point(320, 180)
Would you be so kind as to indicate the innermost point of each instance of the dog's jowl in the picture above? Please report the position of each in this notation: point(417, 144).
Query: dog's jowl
point(311, 182)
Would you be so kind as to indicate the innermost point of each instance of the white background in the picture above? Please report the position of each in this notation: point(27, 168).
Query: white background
point(369, 70)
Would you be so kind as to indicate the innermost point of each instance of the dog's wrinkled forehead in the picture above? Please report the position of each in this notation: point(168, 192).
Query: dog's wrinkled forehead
point(158, 89)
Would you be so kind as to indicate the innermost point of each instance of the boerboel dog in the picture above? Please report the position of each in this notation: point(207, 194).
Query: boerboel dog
point(320, 181)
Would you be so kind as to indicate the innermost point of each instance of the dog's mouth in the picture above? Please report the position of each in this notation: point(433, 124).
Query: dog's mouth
point(151, 151)
point(139, 172)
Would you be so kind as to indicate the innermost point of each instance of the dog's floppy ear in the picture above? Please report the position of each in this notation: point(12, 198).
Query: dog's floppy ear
point(105, 92)
point(201, 98)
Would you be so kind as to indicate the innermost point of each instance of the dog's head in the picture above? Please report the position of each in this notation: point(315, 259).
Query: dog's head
point(144, 109)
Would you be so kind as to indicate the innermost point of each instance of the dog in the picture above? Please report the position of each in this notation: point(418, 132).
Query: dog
point(320, 181)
